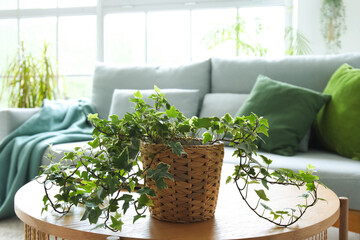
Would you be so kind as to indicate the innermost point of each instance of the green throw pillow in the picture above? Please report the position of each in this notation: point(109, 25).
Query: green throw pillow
point(338, 124)
point(290, 111)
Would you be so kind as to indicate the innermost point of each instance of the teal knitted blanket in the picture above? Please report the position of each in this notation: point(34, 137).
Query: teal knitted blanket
point(59, 121)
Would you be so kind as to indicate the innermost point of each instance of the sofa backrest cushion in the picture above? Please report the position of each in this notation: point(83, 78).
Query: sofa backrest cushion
point(185, 100)
point(239, 75)
point(108, 78)
point(218, 104)
point(12, 118)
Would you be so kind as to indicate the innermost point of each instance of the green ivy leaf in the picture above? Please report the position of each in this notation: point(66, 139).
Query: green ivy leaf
point(94, 214)
point(264, 122)
point(158, 174)
point(100, 193)
point(116, 223)
point(204, 123)
point(144, 201)
point(156, 89)
point(137, 94)
point(228, 179)
point(176, 148)
point(264, 183)
point(137, 217)
point(132, 185)
point(147, 191)
point(262, 195)
point(266, 206)
point(207, 137)
point(172, 112)
point(266, 160)
point(282, 212)
point(305, 195)
point(122, 160)
point(276, 216)
point(127, 198)
point(228, 119)
point(102, 225)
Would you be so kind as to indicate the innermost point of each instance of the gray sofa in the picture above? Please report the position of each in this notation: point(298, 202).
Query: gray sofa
point(224, 85)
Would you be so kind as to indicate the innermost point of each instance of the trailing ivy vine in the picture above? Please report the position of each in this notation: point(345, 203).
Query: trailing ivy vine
point(102, 175)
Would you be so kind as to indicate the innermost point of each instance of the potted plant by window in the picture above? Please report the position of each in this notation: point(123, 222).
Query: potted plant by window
point(29, 79)
point(156, 157)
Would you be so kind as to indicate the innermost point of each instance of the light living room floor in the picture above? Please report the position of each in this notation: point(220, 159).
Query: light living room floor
point(13, 229)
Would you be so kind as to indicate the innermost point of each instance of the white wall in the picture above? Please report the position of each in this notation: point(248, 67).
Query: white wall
point(309, 15)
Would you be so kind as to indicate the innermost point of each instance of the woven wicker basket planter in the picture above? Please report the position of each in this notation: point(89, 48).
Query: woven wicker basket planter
point(192, 196)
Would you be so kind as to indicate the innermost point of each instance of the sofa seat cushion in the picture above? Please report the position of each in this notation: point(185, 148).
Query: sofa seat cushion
point(340, 174)
point(109, 77)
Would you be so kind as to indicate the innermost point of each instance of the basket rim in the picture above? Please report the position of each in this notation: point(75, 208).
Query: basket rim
point(216, 144)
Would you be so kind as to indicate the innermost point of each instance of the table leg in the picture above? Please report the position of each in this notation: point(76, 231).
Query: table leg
point(320, 236)
point(34, 234)
point(344, 218)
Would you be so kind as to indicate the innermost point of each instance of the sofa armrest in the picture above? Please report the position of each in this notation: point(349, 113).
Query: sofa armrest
point(12, 118)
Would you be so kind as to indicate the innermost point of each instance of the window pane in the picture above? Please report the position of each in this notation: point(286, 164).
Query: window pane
point(76, 3)
point(78, 87)
point(37, 3)
point(77, 44)
point(272, 20)
point(125, 38)
point(204, 25)
point(8, 44)
point(168, 37)
point(4, 97)
point(34, 32)
point(7, 4)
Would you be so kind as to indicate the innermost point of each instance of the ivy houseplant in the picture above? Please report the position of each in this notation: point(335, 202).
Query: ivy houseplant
point(101, 176)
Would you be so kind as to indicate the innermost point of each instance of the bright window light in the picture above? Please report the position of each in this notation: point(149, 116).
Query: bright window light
point(125, 38)
point(206, 22)
point(77, 44)
point(168, 37)
point(35, 31)
point(26, 4)
point(272, 20)
point(7, 4)
point(76, 3)
point(8, 44)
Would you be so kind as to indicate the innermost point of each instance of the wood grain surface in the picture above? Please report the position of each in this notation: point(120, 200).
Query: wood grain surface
point(233, 219)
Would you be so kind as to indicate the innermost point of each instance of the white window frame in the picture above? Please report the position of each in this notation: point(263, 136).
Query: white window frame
point(105, 7)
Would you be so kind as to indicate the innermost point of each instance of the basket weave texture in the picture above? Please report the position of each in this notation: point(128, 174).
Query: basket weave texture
point(192, 196)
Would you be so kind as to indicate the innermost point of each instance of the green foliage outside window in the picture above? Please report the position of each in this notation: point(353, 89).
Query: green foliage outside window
point(298, 43)
point(237, 32)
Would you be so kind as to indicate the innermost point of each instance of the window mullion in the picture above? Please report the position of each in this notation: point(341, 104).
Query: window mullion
point(190, 35)
point(99, 32)
point(146, 37)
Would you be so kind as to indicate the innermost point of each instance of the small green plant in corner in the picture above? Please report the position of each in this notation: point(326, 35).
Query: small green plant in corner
point(29, 79)
point(102, 176)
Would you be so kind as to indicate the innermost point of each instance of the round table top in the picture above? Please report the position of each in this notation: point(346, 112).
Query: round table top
point(233, 219)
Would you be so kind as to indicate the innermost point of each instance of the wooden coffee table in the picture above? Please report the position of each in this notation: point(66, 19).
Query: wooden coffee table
point(233, 219)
